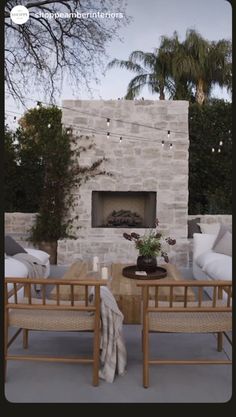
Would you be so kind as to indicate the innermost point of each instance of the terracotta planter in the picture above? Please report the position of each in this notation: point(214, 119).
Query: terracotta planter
point(146, 263)
point(51, 249)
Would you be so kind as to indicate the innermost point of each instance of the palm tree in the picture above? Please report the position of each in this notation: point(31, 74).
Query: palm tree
point(153, 71)
point(180, 68)
point(203, 63)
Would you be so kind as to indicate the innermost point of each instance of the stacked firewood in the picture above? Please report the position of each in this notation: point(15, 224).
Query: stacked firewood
point(124, 218)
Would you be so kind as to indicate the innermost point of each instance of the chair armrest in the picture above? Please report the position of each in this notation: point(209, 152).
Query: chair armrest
point(202, 242)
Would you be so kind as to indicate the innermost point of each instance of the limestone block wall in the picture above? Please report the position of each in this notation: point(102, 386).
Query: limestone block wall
point(18, 224)
point(136, 165)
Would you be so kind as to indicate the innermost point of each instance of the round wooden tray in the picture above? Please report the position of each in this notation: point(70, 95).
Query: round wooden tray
point(129, 272)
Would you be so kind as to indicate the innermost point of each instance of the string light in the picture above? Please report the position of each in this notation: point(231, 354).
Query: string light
point(221, 143)
point(68, 131)
point(168, 134)
point(108, 135)
point(14, 119)
point(213, 150)
point(49, 125)
point(171, 145)
point(120, 139)
point(162, 143)
point(219, 150)
point(38, 105)
point(108, 122)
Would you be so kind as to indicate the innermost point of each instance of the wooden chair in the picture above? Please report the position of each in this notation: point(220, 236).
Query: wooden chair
point(52, 315)
point(214, 316)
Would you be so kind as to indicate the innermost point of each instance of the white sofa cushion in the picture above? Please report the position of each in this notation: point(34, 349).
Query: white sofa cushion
point(219, 268)
point(15, 268)
point(41, 255)
point(208, 256)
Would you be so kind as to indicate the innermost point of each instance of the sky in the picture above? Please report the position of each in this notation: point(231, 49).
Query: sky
point(150, 20)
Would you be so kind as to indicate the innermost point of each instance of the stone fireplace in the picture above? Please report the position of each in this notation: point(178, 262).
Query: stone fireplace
point(123, 209)
point(147, 180)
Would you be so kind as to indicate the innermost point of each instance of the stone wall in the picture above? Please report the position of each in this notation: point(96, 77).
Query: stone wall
point(18, 224)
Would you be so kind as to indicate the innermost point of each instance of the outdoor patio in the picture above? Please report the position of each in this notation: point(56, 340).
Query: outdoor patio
point(55, 382)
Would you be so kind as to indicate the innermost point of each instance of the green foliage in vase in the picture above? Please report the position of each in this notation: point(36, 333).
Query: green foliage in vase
point(151, 244)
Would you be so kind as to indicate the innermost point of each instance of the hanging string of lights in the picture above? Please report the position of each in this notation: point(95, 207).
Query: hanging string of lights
point(76, 127)
point(108, 119)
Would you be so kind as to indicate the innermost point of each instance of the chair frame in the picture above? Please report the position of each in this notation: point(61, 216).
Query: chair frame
point(218, 288)
point(87, 307)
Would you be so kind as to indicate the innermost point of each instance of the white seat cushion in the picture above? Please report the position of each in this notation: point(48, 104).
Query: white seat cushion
point(220, 268)
point(209, 256)
point(41, 255)
point(15, 268)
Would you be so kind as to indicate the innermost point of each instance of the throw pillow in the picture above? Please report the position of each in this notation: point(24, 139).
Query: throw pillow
point(223, 229)
point(12, 247)
point(193, 227)
point(209, 228)
point(224, 245)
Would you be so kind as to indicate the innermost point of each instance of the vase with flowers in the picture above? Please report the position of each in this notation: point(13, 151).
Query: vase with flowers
point(150, 246)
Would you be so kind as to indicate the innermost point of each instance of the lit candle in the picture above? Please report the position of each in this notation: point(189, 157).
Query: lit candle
point(95, 263)
point(104, 272)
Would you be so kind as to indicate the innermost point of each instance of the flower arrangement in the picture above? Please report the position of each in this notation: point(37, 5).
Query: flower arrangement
point(151, 245)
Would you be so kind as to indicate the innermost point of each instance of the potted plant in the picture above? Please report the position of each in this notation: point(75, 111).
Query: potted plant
point(150, 246)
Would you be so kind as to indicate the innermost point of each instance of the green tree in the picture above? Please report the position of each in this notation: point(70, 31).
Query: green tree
point(23, 173)
point(204, 63)
point(47, 158)
point(210, 173)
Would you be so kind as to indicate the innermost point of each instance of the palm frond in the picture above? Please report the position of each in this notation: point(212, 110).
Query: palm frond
point(129, 65)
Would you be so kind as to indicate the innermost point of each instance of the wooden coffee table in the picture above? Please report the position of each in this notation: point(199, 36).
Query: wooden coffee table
point(128, 295)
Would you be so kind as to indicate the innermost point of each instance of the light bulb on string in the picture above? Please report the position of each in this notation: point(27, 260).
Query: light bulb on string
point(171, 145)
point(49, 125)
point(38, 105)
point(162, 143)
point(221, 143)
point(213, 150)
point(168, 134)
point(120, 139)
point(108, 122)
point(68, 131)
point(108, 135)
point(14, 119)
point(219, 150)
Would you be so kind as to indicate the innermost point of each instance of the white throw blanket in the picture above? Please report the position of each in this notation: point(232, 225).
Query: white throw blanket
point(35, 267)
point(113, 350)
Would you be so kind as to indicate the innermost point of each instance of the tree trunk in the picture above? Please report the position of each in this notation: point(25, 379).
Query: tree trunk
point(162, 94)
point(200, 94)
point(51, 249)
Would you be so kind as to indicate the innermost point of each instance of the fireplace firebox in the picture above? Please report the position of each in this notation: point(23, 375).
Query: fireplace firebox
point(134, 209)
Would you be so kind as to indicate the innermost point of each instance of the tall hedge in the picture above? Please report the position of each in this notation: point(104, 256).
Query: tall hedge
point(210, 173)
